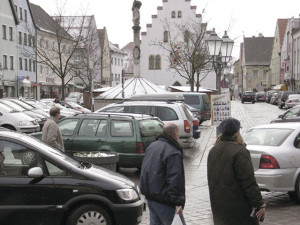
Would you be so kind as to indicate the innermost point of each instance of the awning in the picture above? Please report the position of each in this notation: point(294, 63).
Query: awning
point(50, 84)
point(8, 83)
point(280, 87)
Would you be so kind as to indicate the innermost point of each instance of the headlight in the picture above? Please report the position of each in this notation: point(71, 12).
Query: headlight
point(127, 194)
point(25, 123)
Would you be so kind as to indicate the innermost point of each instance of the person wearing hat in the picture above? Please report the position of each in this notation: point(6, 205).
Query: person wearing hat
point(234, 194)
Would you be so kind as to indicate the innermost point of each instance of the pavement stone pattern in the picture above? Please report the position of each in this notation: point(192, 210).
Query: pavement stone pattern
point(280, 209)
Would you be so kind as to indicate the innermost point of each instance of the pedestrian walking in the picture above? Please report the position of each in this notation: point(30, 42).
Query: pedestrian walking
point(51, 133)
point(56, 100)
point(234, 193)
point(162, 177)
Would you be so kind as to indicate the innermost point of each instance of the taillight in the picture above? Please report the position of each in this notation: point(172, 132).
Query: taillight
point(140, 147)
point(195, 122)
point(187, 127)
point(268, 162)
point(290, 101)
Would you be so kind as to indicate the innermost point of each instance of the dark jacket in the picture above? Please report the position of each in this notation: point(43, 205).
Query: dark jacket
point(232, 186)
point(162, 176)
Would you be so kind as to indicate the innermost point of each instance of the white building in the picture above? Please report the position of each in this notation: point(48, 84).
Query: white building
point(117, 63)
point(154, 59)
point(8, 48)
point(26, 84)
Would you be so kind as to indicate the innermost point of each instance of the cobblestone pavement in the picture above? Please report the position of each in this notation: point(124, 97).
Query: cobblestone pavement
point(280, 209)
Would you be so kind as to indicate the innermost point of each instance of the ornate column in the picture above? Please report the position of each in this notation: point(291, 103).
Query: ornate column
point(136, 37)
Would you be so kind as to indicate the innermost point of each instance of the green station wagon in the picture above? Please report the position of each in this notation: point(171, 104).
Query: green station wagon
point(127, 134)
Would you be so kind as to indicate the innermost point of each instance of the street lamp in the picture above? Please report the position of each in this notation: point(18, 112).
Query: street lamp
point(220, 50)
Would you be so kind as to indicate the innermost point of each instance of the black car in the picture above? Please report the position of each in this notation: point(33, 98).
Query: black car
point(49, 187)
point(260, 96)
point(248, 96)
point(283, 97)
point(291, 115)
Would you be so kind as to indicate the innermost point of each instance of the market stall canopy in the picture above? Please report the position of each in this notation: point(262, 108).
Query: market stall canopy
point(188, 89)
point(133, 86)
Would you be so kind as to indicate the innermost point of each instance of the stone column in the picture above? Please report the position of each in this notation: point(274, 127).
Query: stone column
point(136, 37)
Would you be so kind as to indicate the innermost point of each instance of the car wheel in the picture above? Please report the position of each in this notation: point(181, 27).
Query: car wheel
point(27, 158)
point(242, 102)
point(297, 190)
point(89, 214)
point(9, 127)
point(292, 195)
point(253, 102)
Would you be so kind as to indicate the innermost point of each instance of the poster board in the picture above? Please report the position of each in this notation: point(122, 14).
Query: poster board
point(220, 107)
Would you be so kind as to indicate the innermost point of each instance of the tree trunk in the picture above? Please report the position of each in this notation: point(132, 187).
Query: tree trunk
point(62, 88)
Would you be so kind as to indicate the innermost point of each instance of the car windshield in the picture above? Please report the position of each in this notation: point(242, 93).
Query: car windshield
point(248, 93)
point(150, 127)
point(266, 136)
point(22, 104)
point(13, 106)
point(6, 108)
point(74, 105)
point(294, 96)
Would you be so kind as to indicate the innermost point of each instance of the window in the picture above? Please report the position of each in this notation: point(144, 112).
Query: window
point(16, 9)
point(121, 128)
point(33, 65)
point(41, 69)
point(29, 64)
point(47, 70)
point(121, 62)
point(88, 127)
point(166, 114)
point(29, 39)
point(11, 62)
point(157, 62)
point(20, 64)
point(68, 126)
point(11, 34)
point(26, 65)
point(102, 129)
point(255, 73)
point(20, 38)
point(118, 62)
point(16, 159)
point(21, 13)
point(25, 39)
point(33, 40)
point(54, 170)
point(173, 15)
point(166, 36)
point(5, 62)
point(179, 14)
point(115, 61)
point(4, 31)
point(186, 36)
point(25, 15)
point(151, 62)
point(41, 43)
point(47, 44)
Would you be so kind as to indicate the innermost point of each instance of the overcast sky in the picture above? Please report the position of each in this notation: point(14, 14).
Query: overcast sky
point(239, 17)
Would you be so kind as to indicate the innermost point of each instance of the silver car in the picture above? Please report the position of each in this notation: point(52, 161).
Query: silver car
point(275, 154)
point(292, 100)
point(14, 120)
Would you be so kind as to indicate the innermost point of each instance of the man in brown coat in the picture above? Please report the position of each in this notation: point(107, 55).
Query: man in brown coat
point(51, 133)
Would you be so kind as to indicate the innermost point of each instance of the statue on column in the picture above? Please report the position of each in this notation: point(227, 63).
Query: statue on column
point(136, 12)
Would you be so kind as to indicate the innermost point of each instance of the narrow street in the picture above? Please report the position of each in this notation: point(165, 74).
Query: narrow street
point(280, 210)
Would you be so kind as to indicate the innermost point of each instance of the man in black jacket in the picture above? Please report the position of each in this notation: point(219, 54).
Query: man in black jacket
point(162, 177)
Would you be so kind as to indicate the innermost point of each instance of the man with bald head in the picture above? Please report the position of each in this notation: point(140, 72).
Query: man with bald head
point(162, 177)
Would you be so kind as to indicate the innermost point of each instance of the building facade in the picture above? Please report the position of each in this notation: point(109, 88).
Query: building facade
point(296, 58)
point(26, 83)
point(106, 57)
point(154, 59)
point(128, 60)
point(8, 49)
point(117, 64)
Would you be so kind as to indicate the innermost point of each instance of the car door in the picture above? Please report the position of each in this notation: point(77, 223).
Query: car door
point(68, 128)
point(91, 135)
point(23, 200)
point(292, 115)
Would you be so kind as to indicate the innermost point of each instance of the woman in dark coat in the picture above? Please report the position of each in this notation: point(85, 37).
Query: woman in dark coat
point(233, 190)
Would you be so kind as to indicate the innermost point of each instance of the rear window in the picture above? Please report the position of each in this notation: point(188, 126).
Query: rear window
point(266, 136)
point(121, 128)
point(188, 113)
point(166, 114)
point(192, 99)
point(248, 93)
point(150, 127)
point(114, 109)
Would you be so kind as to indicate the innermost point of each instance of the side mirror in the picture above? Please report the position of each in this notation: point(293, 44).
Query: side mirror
point(280, 117)
point(35, 172)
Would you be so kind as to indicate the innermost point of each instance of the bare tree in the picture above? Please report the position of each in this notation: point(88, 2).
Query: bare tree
point(187, 51)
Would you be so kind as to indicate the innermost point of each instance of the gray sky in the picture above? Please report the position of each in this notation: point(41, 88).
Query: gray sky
point(239, 17)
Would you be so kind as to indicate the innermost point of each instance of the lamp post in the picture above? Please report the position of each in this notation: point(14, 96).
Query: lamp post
point(220, 51)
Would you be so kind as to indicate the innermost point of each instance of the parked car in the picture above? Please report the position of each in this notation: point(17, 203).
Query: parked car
point(269, 96)
point(127, 134)
point(292, 100)
point(52, 188)
point(283, 97)
point(275, 154)
point(291, 115)
point(248, 96)
point(194, 99)
point(260, 96)
point(175, 112)
point(75, 106)
point(274, 98)
point(74, 97)
point(18, 121)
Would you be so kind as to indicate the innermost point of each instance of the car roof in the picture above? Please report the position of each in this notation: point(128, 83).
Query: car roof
point(147, 103)
point(109, 114)
point(291, 125)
